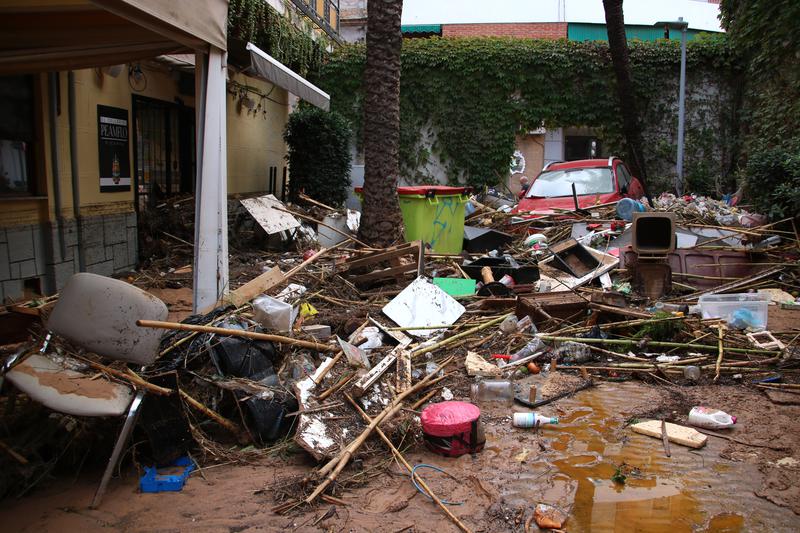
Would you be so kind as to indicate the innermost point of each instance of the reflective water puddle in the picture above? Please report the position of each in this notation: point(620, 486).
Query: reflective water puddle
point(693, 490)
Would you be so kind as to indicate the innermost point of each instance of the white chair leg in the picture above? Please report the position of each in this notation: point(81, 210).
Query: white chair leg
point(127, 428)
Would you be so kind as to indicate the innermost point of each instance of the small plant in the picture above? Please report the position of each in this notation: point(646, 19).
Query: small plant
point(319, 155)
point(619, 478)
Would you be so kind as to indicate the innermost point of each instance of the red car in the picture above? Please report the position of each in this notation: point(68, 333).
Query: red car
point(597, 181)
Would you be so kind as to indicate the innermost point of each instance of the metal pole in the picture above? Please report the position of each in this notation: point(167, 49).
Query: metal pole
point(681, 111)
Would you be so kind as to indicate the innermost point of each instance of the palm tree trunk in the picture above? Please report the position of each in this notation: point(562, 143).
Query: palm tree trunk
point(381, 223)
point(618, 47)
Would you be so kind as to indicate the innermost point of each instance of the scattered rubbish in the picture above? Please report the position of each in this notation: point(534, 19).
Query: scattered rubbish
point(490, 287)
point(710, 418)
point(452, 428)
point(653, 234)
point(522, 272)
point(573, 353)
point(534, 346)
point(477, 366)
point(320, 332)
point(270, 214)
point(685, 436)
point(567, 299)
point(509, 324)
point(573, 258)
point(154, 481)
point(484, 239)
point(741, 310)
point(415, 476)
point(492, 391)
point(549, 517)
point(765, 340)
point(356, 356)
point(626, 208)
point(456, 286)
point(273, 313)
point(529, 420)
point(423, 304)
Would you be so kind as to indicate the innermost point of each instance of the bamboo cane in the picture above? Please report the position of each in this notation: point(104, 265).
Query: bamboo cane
point(218, 418)
point(236, 333)
point(130, 376)
point(399, 455)
point(458, 336)
point(656, 343)
point(720, 333)
point(332, 469)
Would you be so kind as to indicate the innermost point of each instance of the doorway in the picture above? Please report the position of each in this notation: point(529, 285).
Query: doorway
point(164, 147)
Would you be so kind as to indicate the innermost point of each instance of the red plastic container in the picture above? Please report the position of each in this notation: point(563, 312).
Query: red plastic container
point(453, 428)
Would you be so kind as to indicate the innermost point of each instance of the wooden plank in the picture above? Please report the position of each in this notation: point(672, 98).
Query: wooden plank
point(410, 268)
point(369, 379)
point(403, 380)
point(685, 436)
point(390, 253)
point(255, 286)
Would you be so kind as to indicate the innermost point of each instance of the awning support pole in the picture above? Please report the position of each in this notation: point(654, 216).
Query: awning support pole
point(211, 191)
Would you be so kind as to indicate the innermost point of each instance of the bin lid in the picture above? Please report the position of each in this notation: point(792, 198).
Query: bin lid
point(427, 190)
point(446, 419)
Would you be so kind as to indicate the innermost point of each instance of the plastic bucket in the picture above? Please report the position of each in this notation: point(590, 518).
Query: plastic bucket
point(433, 214)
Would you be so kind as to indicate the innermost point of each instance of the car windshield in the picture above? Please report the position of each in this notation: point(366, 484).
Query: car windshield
point(559, 182)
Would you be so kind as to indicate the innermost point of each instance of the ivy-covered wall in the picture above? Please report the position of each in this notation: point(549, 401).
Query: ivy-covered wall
point(464, 100)
point(257, 22)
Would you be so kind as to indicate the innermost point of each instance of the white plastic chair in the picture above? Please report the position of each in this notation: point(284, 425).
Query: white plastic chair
point(98, 314)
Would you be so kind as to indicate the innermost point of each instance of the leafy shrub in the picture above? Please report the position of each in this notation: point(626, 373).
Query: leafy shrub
point(773, 181)
point(319, 155)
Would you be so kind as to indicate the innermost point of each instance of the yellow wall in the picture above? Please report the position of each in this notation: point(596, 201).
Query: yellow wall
point(255, 141)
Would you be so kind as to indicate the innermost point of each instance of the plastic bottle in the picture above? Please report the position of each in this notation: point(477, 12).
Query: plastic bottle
point(495, 390)
point(627, 207)
point(671, 308)
point(509, 325)
point(574, 353)
point(710, 418)
point(529, 420)
point(535, 345)
point(691, 372)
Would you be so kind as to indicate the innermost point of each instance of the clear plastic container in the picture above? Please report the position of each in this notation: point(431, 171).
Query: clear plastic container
point(496, 391)
point(725, 305)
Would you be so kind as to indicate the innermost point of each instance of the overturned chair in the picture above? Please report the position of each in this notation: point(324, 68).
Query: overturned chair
point(98, 314)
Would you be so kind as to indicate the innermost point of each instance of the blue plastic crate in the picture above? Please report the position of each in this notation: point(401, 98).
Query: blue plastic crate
point(152, 481)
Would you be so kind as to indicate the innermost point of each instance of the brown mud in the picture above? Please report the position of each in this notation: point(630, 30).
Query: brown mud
point(725, 486)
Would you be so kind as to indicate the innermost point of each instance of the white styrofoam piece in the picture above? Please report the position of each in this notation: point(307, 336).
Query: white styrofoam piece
point(423, 304)
point(272, 220)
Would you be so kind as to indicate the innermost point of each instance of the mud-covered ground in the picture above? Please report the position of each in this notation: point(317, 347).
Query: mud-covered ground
point(744, 484)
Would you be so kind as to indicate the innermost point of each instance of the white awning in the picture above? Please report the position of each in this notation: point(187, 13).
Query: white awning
point(59, 35)
point(266, 67)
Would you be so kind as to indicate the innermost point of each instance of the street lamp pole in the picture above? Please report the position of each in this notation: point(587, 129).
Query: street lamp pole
point(681, 112)
point(681, 25)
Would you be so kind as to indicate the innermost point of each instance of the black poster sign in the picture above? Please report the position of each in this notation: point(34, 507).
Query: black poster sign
point(113, 141)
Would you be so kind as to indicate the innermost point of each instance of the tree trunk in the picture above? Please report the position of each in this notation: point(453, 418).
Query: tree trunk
point(381, 223)
point(618, 47)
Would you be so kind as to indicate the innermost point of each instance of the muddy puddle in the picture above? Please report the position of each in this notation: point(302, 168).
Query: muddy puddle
point(571, 466)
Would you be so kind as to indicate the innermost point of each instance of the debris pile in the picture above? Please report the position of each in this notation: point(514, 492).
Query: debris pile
point(340, 350)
